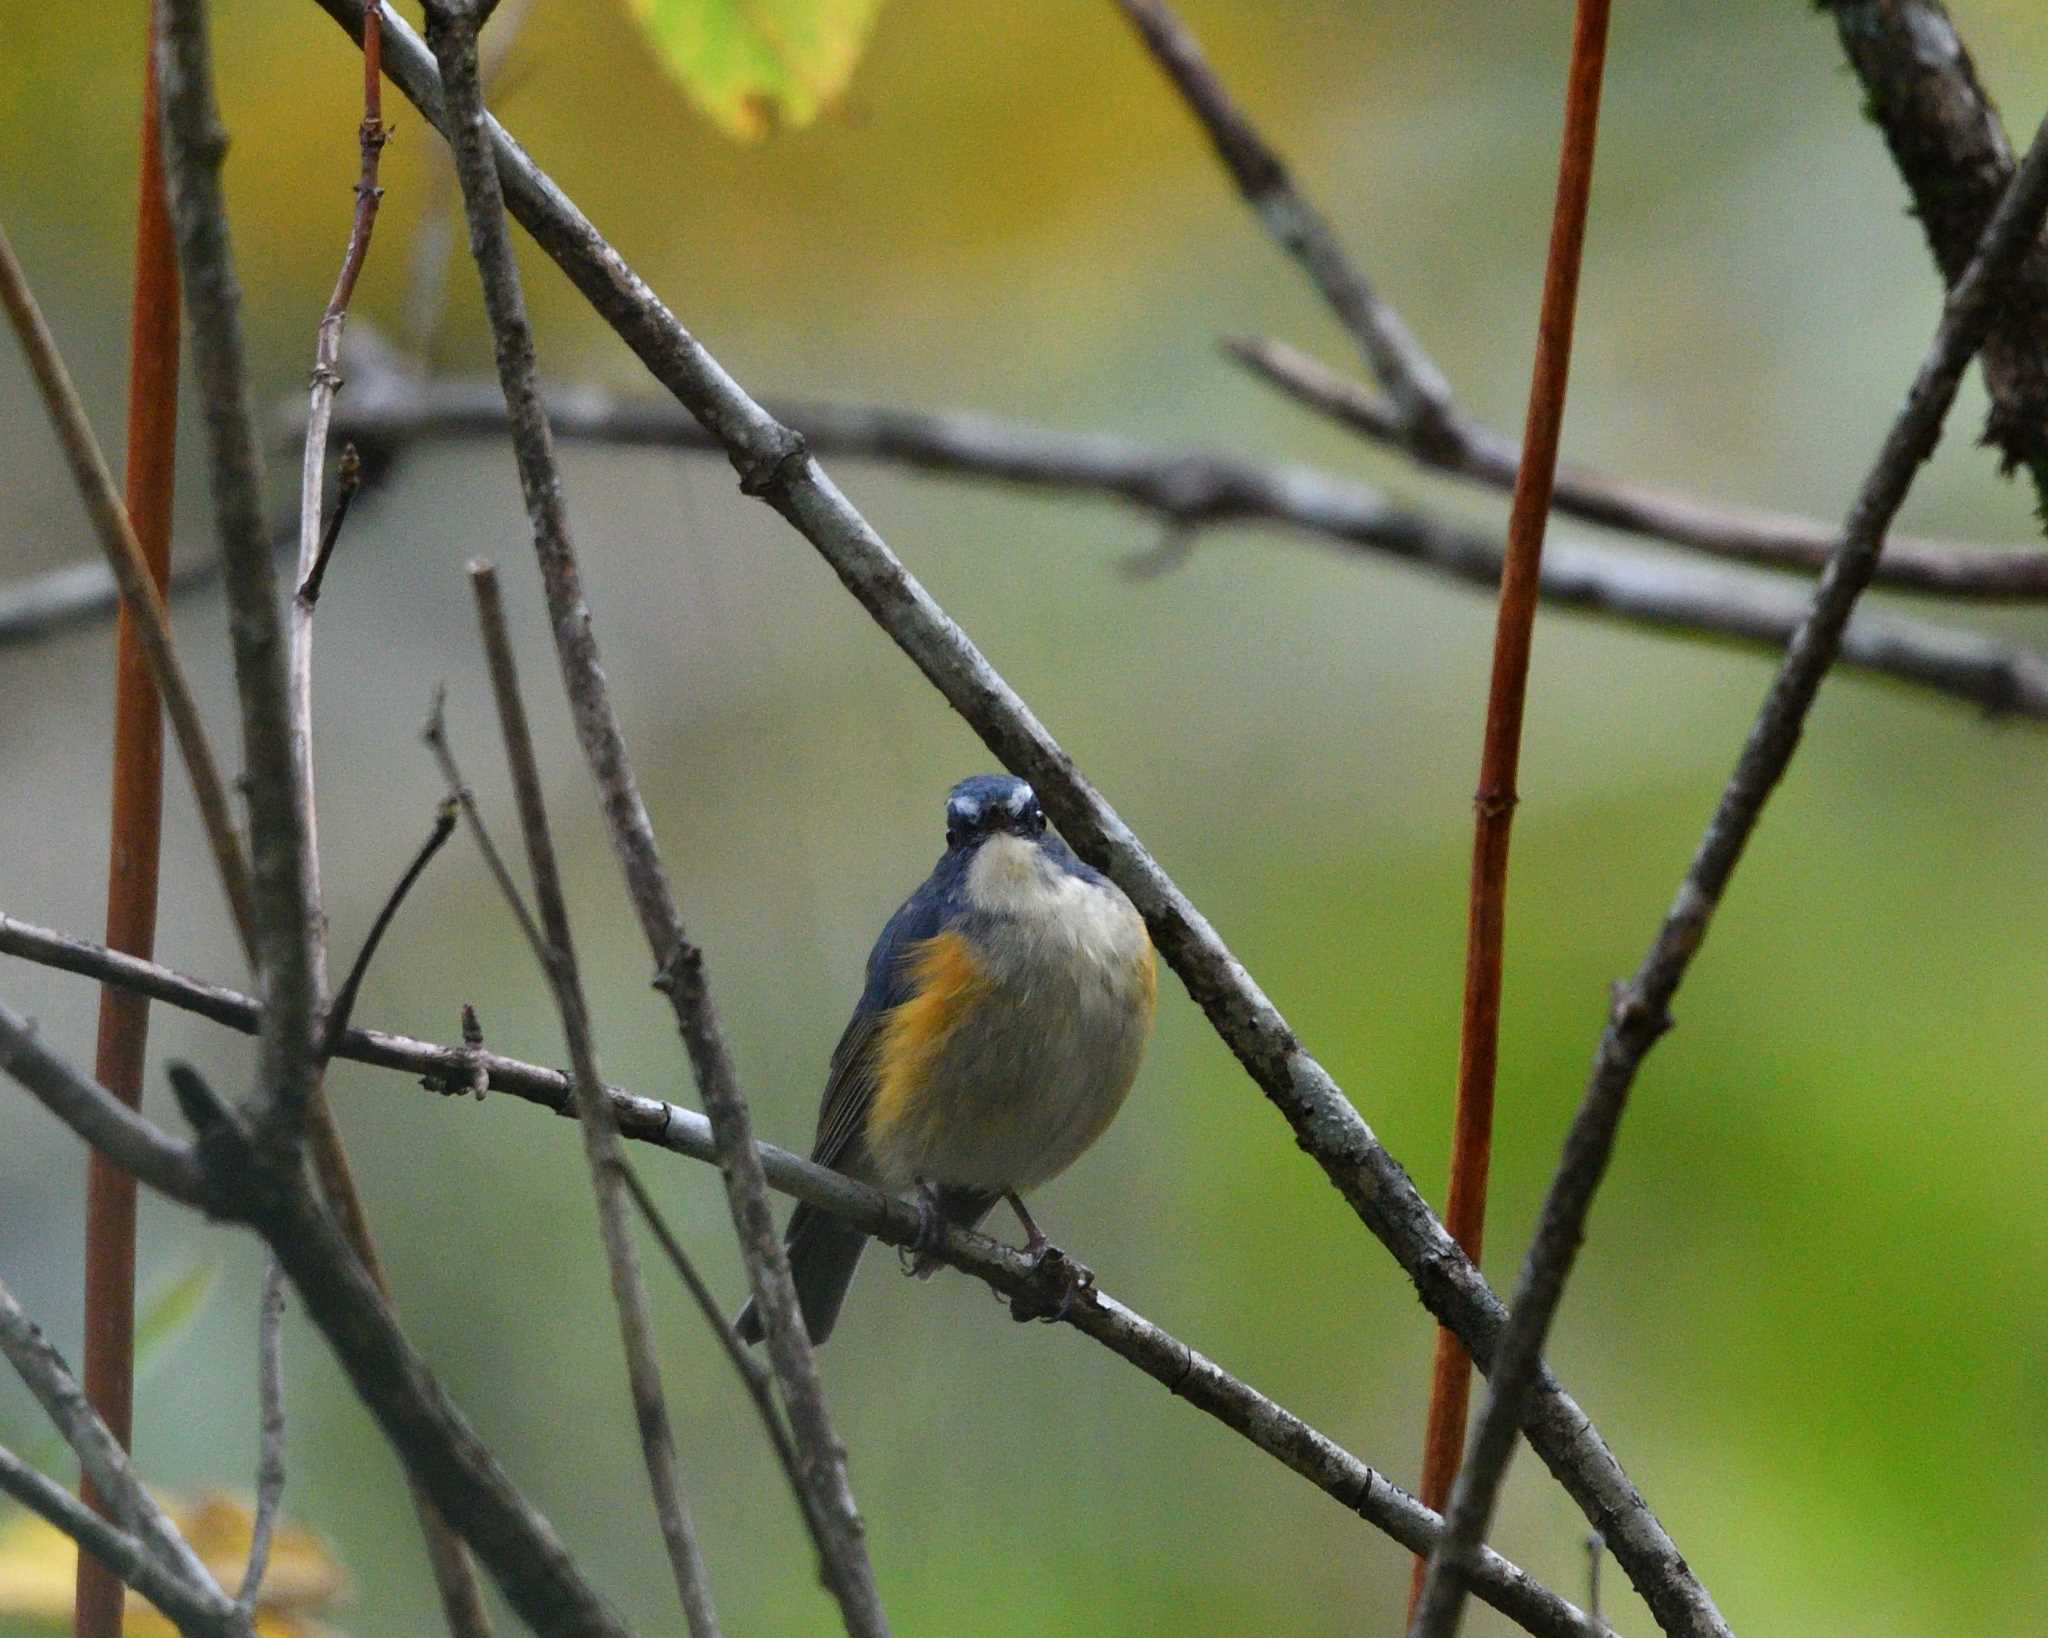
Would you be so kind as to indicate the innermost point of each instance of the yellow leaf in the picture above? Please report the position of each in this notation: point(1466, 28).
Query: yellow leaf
point(759, 66)
point(38, 1564)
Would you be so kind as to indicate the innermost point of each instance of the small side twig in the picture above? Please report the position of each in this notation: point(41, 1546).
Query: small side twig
point(270, 1460)
point(759, 1382)
point(348, 480)
point(1641, 1012)
point(344, 1004)
point(1408, 373)
point(556, 954)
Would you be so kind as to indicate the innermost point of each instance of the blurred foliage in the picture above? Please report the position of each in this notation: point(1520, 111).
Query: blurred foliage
point(1813, 1309)
point(301, 1583)
point(759, 66)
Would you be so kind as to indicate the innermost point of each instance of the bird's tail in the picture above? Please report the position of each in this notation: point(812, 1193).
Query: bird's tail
point(823, 1252)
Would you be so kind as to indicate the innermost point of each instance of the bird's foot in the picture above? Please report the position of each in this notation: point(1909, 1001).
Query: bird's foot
point(920, 1257)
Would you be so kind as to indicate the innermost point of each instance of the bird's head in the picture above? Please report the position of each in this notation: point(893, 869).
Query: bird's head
point(992, 805)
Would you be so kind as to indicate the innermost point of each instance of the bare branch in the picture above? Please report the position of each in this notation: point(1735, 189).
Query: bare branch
point(79, 594)
point(1768, 539)
point(556, 953)
point(44, 1372)
point(1407, 372)
point(191, 1609)
point(96, 1115)
point(130, 572)
point(1192, 488)
point(1921, 90)
point(1169, 1361)
point(194, 147)
point(1641, 1011)
point(270, 1460)
point(679, 964)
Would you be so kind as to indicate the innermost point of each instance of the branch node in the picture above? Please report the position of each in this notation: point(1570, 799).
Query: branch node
point(763, 475)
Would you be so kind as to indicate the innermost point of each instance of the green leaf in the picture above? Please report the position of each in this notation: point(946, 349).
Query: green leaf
point(759, 66)
point(168, 1313)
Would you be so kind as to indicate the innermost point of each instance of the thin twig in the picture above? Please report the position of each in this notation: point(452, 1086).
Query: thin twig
point(556, 953)
point(1493, 803)
point(284, 920)
point(435, 734)
point(134, 829)
point(1238, 1406)
point(45, 1374)
point(348, 480)
point(1397, 359)
point(1770, 540)
point(1194, 488)
point(426, 285)
point(270, 1460)
point(58, 600)
point(130, 568)
point(1921, 90)
point(774, 466)
point(345, 998)
point(189, 1608)
point(679, 964)
point(754, 1376)
point(1641, 1012)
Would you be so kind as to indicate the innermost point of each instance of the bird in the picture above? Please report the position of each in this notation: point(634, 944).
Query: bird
point(1007, 1007)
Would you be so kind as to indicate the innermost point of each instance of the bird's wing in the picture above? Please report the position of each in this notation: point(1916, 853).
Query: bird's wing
point(850, 1083)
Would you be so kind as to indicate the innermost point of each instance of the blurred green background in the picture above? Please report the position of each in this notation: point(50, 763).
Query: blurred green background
point(1813, 1311)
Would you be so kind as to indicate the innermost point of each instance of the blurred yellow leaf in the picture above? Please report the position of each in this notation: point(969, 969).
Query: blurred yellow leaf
point(759, 66)
point(38, 1564)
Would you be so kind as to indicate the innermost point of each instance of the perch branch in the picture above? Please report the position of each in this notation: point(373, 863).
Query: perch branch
point(1169, 1361)
point(1641, 1012)
point(270, 1457)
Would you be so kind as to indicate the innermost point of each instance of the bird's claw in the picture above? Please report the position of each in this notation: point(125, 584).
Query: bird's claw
point(921, 1256)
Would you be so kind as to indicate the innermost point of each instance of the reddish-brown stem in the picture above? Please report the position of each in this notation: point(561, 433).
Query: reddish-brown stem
point(135, 823)
point(1500, 750)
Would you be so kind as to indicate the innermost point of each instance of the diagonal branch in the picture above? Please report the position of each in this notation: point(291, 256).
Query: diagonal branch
point(1770, 540)
point(774, 465)
point(45, 1374)
point(1921, 89)
point(679, 964)
point(189, 1608)
point(1422, 397)
point(1642, 1005)
point(1163, 1357)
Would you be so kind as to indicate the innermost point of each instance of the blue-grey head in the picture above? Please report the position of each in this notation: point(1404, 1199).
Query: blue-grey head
point(991, 805)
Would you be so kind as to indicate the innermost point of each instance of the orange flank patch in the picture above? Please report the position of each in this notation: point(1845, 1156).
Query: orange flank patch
point(945, 980)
